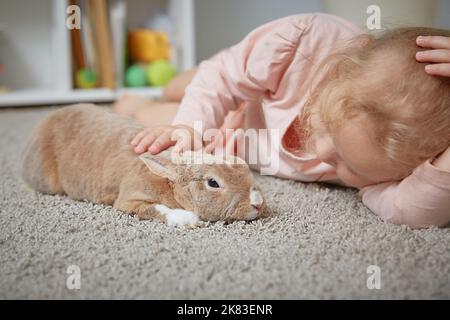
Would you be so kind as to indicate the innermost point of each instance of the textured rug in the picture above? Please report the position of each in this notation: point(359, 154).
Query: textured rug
point(319, 242)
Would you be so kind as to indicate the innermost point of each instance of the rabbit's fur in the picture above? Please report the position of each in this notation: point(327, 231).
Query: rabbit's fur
point(84, 151)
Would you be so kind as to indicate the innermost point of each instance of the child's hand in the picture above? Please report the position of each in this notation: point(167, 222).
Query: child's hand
point(157, 139)
point(439, 55)
point(234, 120)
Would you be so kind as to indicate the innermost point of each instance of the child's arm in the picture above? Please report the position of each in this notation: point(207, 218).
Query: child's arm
point(256, 68)
point(420, 200)
point(247, 71)
point(423, 198)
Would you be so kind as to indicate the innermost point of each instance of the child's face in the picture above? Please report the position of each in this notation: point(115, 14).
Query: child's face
point(352, 151)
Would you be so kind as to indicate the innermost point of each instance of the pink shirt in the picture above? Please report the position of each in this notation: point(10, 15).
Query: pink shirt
point(270, 71)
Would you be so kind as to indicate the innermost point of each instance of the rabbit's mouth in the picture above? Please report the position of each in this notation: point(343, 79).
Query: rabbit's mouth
point(253, 214)
point(245, 212)
point(245, 209)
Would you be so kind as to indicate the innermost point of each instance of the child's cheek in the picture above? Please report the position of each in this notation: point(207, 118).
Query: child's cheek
point(350, 179)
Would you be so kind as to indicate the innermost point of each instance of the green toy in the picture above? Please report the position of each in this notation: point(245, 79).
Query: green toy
point(85, 79)
point(160, 72)
point(135, 76)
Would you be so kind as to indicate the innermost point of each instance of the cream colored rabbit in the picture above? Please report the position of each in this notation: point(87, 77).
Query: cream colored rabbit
point(84, 151)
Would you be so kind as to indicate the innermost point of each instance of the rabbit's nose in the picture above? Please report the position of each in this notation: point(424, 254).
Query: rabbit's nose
point(256, 199)
point(257, 207)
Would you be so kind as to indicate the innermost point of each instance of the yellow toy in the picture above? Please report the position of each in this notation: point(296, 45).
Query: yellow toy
point(145, 45)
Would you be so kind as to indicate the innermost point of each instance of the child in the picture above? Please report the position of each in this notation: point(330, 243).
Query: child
point(368, 115)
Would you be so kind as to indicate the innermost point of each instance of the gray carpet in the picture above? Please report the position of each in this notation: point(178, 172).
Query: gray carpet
point(318, 243)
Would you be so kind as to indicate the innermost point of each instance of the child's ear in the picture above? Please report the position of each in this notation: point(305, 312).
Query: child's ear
point(159, 165)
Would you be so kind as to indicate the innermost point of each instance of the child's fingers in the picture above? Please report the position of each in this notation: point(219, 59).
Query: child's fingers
point(436, 55)
point(137, 138)
point(234, 119)
point(161, 143)
point(180, 146)
point(183, 138)
point(210, 147)
point(439, 69)
point(187, 139)
point(435, 42)
point(216, 142)
point(145, 142)
point(231, 141)
point(155, 131)
point(186, 144)
point(227, 141)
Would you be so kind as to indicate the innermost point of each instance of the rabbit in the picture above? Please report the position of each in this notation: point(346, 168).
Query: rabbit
point(84, 151)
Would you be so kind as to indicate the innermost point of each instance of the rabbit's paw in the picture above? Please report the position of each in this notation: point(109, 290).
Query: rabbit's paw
point(179, 217)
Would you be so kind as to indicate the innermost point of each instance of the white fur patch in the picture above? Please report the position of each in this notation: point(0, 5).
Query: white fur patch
point(178, 217)
point(252, 215)
point(256, 198)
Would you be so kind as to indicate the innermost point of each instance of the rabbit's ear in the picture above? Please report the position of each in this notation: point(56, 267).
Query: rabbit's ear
point(158, 165)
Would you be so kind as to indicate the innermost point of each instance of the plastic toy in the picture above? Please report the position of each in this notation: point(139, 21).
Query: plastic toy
point(85, 79)
point(145, 45)
point(136, 76)
point(160, 73)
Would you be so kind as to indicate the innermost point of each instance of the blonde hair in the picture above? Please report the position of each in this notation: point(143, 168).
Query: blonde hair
point(379, 78)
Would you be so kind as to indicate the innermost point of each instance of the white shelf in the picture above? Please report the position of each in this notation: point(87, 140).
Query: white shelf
point(50, 97)
point(35, 48)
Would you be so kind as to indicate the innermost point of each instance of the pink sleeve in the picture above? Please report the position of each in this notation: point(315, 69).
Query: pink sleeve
point(420, 200)
point(244, 72)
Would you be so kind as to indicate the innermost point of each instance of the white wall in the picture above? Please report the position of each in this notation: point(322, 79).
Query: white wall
point(443, 15)
point(222, 23)
point(394, 13)
point(18, 40)
point(432, 13)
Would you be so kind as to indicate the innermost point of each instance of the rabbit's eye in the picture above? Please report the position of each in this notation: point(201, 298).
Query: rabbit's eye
point(212, 183)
